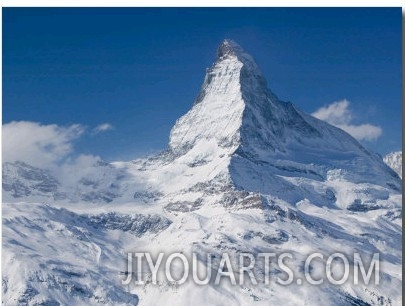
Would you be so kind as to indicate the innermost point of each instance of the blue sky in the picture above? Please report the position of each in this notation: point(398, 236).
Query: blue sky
point(140, 69)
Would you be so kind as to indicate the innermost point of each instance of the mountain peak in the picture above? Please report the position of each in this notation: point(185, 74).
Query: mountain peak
point(238, 116)
point(228, 47)
point(394, 161)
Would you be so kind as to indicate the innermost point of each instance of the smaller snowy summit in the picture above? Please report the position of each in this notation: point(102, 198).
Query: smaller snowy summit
point(394, 160)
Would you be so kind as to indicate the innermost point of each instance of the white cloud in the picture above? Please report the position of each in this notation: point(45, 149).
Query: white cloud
point(335, 113)
point(74, 169)
point(37, 144)
point(48, 147)
point(339, 115)
point(363, 131)
point(102, 128)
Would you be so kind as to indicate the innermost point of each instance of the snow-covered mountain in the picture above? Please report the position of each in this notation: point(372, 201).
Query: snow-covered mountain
point(394, 160)
point(100, 182)
point(243, 172)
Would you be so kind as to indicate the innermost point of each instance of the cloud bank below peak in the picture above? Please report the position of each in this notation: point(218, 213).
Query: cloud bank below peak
point(37, 144)
point(340, 115)
point(48, 146)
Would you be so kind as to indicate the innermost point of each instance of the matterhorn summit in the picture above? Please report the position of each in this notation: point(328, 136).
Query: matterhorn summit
point(263, 141)
point(244, 172)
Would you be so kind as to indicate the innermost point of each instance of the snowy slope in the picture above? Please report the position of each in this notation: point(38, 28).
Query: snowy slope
point(243, 172)
point(22, 180)
point(394, 160)
point(101, 182)
point(66, 257)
